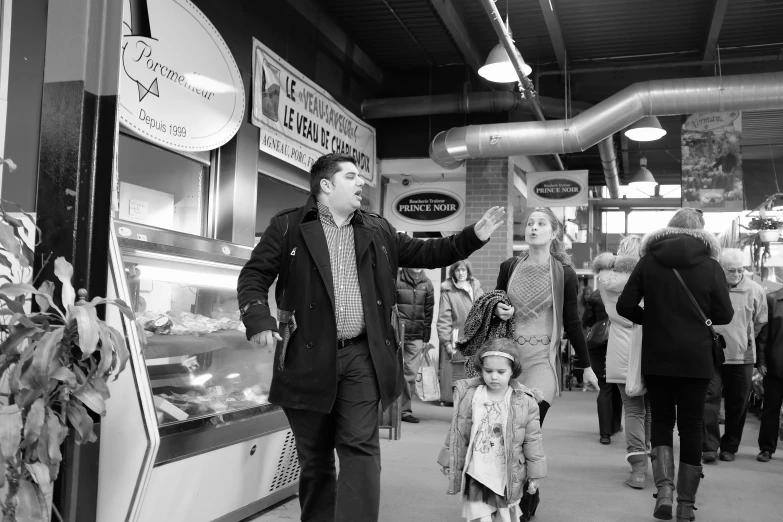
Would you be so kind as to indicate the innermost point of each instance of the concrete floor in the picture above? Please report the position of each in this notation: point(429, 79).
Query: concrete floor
point(585, 480)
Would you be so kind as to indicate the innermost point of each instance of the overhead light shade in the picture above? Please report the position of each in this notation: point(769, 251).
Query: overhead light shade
point(646, 129)
point(498, 67)
point(643, 179)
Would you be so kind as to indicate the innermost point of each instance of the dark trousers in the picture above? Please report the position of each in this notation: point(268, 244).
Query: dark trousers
point(543, 407)
point(770, 413)
point(610, 408)
point(352, 429)
point(732, 382)
point(679, 399)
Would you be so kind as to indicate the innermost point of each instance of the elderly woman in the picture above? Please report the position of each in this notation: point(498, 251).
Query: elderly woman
point(612, 272)
point(677, 360)
point(457, 295)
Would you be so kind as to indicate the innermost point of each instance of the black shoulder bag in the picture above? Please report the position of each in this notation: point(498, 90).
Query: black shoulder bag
point(718, 342)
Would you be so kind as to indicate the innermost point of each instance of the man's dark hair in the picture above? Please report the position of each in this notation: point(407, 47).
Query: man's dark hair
point(325, 167)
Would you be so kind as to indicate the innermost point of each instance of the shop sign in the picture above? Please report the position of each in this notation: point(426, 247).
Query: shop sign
point(426, 207)
point(180, 86)
point(712, 162)
point(300, 122)
point(557, 189)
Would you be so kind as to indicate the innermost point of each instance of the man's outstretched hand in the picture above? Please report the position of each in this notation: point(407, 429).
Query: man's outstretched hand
point(491, 220)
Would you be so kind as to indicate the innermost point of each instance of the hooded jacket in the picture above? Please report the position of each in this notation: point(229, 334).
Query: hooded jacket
point(415, 302)
point(612, 273)
point(522, 433)
point(455, 303)
point(676, 342)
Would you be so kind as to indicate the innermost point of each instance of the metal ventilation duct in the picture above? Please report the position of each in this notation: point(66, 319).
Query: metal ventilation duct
point(451, 148)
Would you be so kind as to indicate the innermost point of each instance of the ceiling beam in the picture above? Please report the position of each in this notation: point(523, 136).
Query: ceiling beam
point(712, 38)
point(555, 32)
point(455, 25)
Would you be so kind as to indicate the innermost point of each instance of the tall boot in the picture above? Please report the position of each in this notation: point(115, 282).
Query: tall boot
point(688, 480)
point(663, 473)
point(638, 477)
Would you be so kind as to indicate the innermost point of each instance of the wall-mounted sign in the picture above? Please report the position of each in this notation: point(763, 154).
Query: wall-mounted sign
point(180, 86)
point(557, 189)
point(300, 122)
point(426, 207)
point(712, 161)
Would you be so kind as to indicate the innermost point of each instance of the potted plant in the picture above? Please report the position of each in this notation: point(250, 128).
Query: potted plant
point(54, 367)
point(768, 227)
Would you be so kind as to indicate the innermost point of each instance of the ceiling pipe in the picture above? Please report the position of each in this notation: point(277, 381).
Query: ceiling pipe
point(764, 91)
point(635, 203)
point(462, 103)
point(505, 38)
point(609, 164)
point(665, 65)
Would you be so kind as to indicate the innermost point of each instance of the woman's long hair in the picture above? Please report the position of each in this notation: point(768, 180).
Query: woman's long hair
point(557, 247)
point(455, 266)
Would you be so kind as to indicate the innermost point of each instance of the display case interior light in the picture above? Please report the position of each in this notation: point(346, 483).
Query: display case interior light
point(187, 277)
point(200, 380)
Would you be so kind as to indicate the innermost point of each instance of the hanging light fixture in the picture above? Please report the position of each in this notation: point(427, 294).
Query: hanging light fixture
point(643, 180)
point(498, 67)
point(646, 129)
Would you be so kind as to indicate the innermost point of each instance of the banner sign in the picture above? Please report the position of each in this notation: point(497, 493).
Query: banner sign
point(300, 122)
point(426, 207)
point(557, 189)
point(712, 161)
point(179, 85)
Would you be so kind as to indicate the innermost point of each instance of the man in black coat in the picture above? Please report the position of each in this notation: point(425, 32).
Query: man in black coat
point(416, 300)
point(337, 351)
point(770, 365)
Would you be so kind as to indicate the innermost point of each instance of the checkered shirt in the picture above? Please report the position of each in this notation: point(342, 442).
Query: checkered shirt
point(348, 310)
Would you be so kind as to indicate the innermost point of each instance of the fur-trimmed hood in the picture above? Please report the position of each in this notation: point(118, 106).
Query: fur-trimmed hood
point(613, 271)
point(680, 247)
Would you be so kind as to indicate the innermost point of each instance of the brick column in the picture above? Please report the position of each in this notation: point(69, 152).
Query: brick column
point(489, 183)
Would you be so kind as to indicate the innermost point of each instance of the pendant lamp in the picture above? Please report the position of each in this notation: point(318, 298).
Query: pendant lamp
point(498, 67)
point(643, 179)
point(646, 129)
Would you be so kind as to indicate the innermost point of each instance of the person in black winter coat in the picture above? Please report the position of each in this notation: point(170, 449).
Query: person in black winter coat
point(609, 400)
point(677, 360)
point(769, 346)
point(415, 301)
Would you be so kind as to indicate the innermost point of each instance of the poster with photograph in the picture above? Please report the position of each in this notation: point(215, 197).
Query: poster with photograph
point(712, 162)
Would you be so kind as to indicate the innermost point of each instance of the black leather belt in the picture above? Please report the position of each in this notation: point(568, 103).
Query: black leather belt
point(345, 343)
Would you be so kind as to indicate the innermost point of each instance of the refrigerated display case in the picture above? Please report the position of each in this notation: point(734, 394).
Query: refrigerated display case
point(217, 449)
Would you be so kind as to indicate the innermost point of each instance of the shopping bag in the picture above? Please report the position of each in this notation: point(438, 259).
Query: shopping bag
point(634, 383)
point(427, 385)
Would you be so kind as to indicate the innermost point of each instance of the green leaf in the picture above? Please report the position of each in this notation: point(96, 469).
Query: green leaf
point(66, 376)
point(13, 305)
point(57, 433)
point(2, 467)
point(8, 240)
point(64, 272)
point(106, 348)
point(17, 289)
point(6, 263)
point(46, 288)
point(33, 423)
point(121, 348)
point(92, 399)
point(10, 430)
point(102, 388)
point(87, 322)
point(81, 422)
point(121, 305)
point(45, 361)
point(11, 342)
point(28, 397)
point(30, 503)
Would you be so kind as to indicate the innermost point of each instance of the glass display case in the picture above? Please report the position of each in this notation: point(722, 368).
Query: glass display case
point(199, 362)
